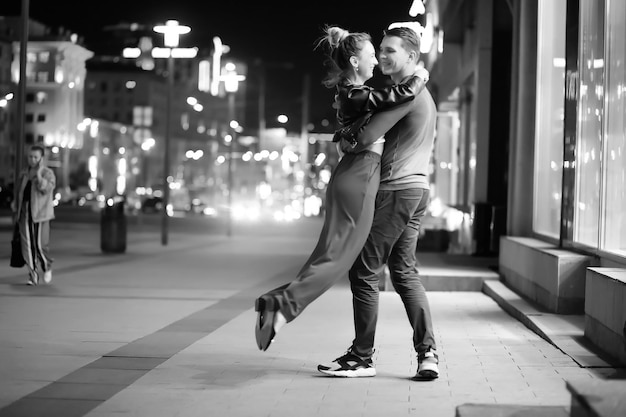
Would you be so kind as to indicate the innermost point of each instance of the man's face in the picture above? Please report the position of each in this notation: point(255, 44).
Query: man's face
point(393, 58)
point(34, 158)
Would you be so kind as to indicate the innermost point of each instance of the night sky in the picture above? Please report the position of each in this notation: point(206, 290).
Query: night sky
point(275, 32)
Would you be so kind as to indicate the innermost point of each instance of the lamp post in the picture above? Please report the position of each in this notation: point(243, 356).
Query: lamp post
point(231, 85)
point(230, 139)
point(21, 94)
point(171, 33)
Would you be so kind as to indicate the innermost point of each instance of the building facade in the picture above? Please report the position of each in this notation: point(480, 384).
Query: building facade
point(532, 105)
point(53, 103)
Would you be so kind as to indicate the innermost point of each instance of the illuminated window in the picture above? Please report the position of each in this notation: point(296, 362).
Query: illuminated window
point(549, 117)
point(613, 217)
point(589, 129)
point(41, 97)
point(142, 116)
point(44, 57)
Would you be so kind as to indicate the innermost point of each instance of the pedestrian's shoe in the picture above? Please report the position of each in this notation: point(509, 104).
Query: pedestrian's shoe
point(349, 366)
point(428, 365)
point(33, 278)
point(47, 276)
point(264, 332)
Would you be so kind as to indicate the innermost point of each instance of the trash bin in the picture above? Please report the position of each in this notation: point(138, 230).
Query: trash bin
point(482, 229)
point(113, 227)
point(489, 225)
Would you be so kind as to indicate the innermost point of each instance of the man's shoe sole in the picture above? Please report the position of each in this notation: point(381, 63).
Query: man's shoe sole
point(427, 375)
point(357, 373)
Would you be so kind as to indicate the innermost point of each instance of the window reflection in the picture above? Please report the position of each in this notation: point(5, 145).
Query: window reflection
point(614, 216)
point(549, 118)
point(589, 140)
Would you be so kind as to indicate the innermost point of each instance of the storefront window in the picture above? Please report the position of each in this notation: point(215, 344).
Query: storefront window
point(614, 219)
point(590, 118)
point(549, 117)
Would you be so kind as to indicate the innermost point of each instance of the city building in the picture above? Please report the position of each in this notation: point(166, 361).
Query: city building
point(7, 100)
point(53, 102)
point(531, 142)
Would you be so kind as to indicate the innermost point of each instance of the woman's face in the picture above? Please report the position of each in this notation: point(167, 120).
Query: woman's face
point(366, 61)
point(34, 158)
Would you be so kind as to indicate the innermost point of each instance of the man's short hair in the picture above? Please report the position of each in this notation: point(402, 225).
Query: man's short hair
point(410, 38)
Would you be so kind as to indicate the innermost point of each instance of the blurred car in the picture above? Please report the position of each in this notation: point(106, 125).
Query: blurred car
point(152, 204)
point(178, 201)
point(198, 206)
point(65, 196)
point(246, 212)
point(94, 201)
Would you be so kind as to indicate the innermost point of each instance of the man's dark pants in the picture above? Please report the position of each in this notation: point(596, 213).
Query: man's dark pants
point(393, 240)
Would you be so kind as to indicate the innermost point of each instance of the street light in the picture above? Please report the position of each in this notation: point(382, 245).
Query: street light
point(231, 85)
point(171, 34)
point(21, 91)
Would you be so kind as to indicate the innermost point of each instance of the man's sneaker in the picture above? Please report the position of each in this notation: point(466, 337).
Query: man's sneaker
point(427, 367)
point(47, 276)
point(349, 366)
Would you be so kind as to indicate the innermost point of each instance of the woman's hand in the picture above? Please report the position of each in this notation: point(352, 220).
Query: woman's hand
point(422, 73)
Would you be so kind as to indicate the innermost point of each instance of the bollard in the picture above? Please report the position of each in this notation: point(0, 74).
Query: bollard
point(113, 227)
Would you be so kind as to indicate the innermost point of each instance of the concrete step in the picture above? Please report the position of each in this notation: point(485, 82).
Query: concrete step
point(510, 410)
point(598, 398)
point(440, 271)
point(565, 331)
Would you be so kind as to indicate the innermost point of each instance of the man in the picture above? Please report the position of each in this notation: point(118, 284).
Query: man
point(401, 202)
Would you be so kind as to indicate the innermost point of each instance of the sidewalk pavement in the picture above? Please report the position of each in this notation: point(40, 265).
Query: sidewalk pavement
point(169, 331)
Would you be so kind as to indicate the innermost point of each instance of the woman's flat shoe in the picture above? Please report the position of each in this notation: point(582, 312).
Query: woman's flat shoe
point(33, 278)
point(264, 330)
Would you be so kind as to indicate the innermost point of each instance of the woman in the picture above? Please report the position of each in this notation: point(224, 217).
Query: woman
point(352, 189)
point(35, 209)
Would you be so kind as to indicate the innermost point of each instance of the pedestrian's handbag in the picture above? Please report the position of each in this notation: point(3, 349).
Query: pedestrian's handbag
point(17, 259)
